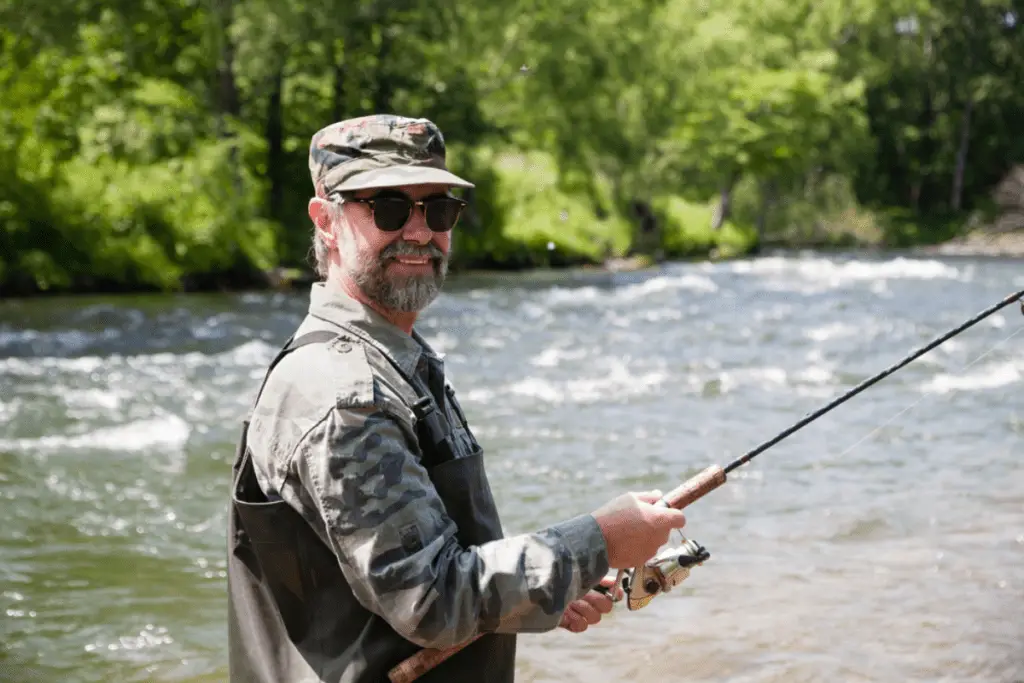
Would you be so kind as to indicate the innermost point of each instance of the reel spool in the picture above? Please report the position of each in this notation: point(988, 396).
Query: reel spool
point(661, 573)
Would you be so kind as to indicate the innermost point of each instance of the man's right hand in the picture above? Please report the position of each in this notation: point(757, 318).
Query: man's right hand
point(634, 529)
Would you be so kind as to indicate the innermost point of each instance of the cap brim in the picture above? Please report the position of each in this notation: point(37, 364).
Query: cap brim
point(396, 176)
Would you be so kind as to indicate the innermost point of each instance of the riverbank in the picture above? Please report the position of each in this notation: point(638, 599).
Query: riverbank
point(979, 245)
point(1001, 245)
point(524, 216)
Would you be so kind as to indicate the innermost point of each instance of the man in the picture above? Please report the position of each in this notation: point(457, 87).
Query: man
point(363, 527)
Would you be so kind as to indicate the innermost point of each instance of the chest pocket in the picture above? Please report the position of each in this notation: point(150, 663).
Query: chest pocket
point(460, 425)
point(443, 432)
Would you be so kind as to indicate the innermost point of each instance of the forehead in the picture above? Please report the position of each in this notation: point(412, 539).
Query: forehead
point(414, 191)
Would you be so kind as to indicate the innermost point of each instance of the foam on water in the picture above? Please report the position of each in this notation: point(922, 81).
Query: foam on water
point(658, 315)
point(628, 294)
point(838, 273)
point(979, 379)
point(834, 330)
point(666, 283)
point(997, 321)
point(620, 383)
point(773, 379)
point(443, 342)
point(255, 351)
point(615, 382)
point(42, 366)
point(168, 432)
point(552, 357)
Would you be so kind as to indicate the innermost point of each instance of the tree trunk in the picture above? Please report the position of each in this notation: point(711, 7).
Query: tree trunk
point(275, 145)
point(767, 200)
point(724, 207)
point(227, 90)
point(227, 103)
point(338, 109)
point(647, 239)
point(382, 94)
point(961, 156)
point(923, 153)
point(915, 194)
point(966, 78)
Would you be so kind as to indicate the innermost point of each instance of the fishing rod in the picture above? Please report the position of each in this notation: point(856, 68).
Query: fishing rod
point(671, 566)
point(714, 476)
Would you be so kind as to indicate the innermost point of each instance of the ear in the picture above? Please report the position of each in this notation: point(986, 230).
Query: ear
point(320, 213)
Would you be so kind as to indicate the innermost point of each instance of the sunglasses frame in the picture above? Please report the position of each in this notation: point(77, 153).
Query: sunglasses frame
point(423, 204)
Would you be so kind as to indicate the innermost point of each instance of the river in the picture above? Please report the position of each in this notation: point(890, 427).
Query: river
point(884, 542)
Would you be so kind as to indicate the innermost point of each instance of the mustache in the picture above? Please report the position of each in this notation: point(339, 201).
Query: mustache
point(403, 248)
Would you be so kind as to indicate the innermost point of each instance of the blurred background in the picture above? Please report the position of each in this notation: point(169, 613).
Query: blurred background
point(163, 145)
point(694, 223)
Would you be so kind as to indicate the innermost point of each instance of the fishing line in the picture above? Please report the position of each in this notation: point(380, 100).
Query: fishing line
point(651, 579)
point(926, 396)
point(750, 455)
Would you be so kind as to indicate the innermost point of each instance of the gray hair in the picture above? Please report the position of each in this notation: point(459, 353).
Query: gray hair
point(320, 252)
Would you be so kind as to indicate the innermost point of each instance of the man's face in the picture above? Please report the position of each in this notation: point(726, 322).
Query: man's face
point(401, 270)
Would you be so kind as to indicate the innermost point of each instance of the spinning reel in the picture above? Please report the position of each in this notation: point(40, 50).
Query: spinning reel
point(660, 574)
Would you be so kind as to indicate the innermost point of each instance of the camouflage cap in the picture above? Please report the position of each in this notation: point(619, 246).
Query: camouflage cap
point(381, 150)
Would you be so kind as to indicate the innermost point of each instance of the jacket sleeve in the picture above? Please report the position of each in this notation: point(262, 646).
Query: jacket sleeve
point(397, 547)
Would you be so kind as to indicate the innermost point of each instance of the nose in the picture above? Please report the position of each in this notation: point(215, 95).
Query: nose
point(416, 229)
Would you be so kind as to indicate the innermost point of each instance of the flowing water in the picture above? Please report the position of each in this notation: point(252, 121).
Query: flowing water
point(877, 544)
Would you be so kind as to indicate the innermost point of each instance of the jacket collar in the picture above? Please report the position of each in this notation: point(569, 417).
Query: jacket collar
point(328, 302)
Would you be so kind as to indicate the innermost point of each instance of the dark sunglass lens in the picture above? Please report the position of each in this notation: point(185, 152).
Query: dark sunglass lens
point(391, 213)
point(443, 213)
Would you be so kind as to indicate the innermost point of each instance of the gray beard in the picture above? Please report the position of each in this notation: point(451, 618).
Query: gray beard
point(404, 293)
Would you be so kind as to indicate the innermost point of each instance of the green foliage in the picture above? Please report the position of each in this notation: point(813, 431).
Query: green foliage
point(173, 217)
point(688, 232)
point(553, 225)
point(823, 211)
point(163, 145)
point(903, 228)
point(141, 196)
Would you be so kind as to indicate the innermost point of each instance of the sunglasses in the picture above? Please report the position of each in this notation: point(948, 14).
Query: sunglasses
point(391, 211)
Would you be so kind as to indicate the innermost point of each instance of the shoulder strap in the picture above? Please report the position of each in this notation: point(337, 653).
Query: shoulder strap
point(242, 459)
point(315, 337)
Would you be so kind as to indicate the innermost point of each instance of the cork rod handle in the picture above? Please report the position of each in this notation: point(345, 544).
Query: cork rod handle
point(423, 661)
point(695, 488)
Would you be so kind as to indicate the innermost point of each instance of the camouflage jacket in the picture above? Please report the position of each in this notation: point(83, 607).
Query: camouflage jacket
point(334, 435)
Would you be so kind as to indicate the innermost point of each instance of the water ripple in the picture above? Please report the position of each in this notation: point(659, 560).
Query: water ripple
point(900, 513)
